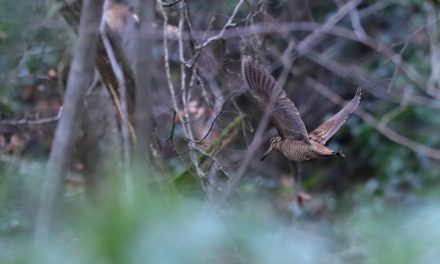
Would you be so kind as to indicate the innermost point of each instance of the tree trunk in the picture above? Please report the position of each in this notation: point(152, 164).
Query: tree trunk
point(142, 61)
point(99, 147)
point(80, 78)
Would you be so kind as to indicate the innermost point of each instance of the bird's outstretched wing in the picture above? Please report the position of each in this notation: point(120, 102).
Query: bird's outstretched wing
point(327, 129)
point(284, 115)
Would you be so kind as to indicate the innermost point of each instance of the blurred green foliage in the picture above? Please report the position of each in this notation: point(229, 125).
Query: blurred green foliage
point(150, 228)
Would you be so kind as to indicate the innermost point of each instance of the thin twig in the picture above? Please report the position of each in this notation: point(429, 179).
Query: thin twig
point(228, 24)
point(173, 126)
point(185, 120)
point(188, 23)
point(202, 140)
point(184, 92)
point(356, 23)
point(169, 4)
point(214, 146)
point(314, 38)
point(40, 121)
point(368, 41)
point(167, 60)
point(376, 7)
point(360, 78)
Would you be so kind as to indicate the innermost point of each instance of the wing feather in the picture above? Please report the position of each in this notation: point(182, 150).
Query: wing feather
point(285, 116)
point(327, 129)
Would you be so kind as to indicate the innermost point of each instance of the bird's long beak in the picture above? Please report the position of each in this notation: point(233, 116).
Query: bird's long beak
point(266, 153)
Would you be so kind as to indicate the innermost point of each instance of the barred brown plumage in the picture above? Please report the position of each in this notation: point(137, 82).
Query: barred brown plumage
point(294, 142)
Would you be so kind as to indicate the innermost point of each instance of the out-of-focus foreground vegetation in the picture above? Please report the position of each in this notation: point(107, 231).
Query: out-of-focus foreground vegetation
point(378, 205)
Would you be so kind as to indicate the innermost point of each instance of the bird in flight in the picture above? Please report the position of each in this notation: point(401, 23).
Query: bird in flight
point(294, 142)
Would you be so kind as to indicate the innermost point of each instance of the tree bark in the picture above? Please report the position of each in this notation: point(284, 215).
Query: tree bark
point(80, 78)
point(98, 149)
point(142, 61)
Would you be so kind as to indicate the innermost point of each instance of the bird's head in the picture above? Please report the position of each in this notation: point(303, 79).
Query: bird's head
point(274, 144)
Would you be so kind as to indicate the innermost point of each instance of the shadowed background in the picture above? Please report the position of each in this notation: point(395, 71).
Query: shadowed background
point(204, 133)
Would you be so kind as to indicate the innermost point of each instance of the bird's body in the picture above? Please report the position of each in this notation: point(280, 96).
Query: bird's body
point(294, 142)
point(298, 150)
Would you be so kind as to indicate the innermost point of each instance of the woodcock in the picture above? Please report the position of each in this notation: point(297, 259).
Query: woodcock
point(293, 141)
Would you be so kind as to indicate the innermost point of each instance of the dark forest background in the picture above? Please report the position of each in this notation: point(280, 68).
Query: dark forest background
point(127, 134)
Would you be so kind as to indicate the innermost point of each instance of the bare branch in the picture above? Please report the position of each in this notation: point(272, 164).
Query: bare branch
point(356, 23)
point(170, 3)
point(202, 140)
point(313, 39)
point(433, 36)
point(375, 7)
point(124, 112)
point(213, 147)
point(183, 89)
point(360, 78)
point(368, 41)
point(173, 127)
point(40, 121)
point(185, 120)
point(167, 61)
point(228, 24)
